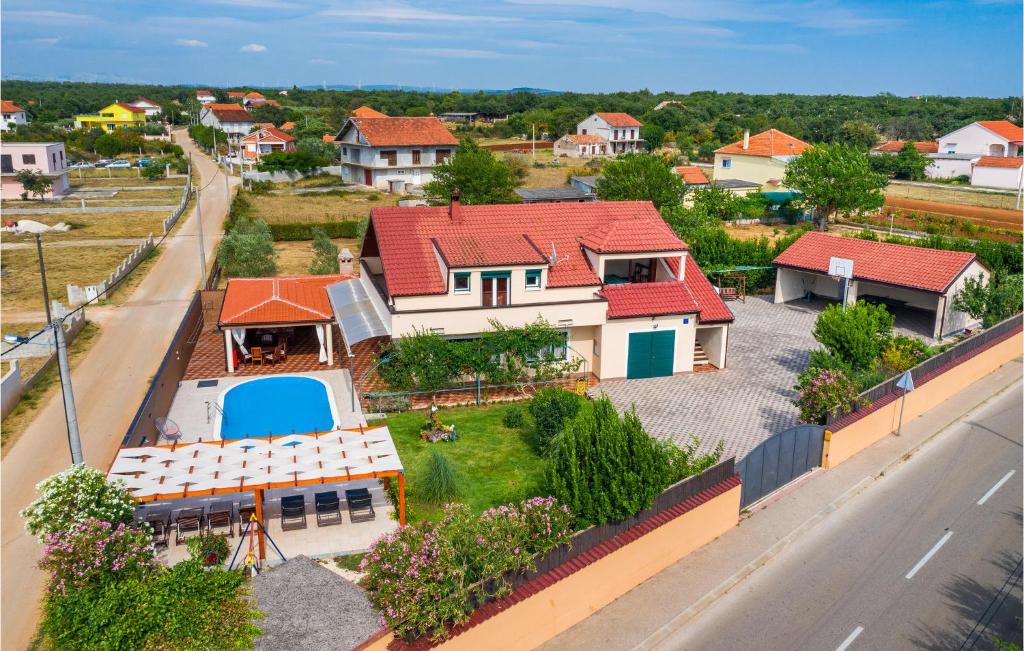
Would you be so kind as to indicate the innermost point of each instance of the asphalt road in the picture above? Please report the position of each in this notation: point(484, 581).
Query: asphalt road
point(109, 383)
point(927, 558)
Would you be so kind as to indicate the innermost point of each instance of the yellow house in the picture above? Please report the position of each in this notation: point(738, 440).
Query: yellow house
point(116, 116)
point(760, 159)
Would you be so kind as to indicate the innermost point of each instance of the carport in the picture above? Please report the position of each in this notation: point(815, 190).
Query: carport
point(905, 278)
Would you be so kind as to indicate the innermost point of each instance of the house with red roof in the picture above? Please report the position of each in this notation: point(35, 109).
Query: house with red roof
point(581, 145)
point(620, 130)
point(205, 97)
point(612, 275)
point(896, 146)
point(958, 149)
point(12, 115)
point(232, 119)
point(148, 106)
point(118, 115)
point(908, 279)
point(266, 140)
point(692, 176)
point(759, 159)
point(389, 153)
point(998, 172)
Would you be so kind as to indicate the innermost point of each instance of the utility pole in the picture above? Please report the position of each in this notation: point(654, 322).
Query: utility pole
point(533, 142)
point(42, 275)
point(199, 225)
point(70, 414)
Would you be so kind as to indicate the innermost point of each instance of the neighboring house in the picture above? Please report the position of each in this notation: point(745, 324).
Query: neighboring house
point(906, 276)
point(692, 175)
point(738, 187)
point(760, 159)
point(998, 172)
point(557, 194)
point(612, 275)
point(577, 145)
point(266, 140)
point(115, 116)
point(621, 130)
point(150, 107)
point(251, 98)
point(236, 94)
point(387, 153)
point(957, 149)
point(232, 119)
point(463, 118)
point(47, 158)
point(288, 126)
point(896, 146)
point(669, 102)
point(205, 97)
point(12, 115)
point(367, 112)
point(586, 184)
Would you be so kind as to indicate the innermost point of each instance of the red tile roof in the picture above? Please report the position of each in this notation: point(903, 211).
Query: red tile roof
point(632, 236)
point(129, 107)
point(501, 234)
point(922, 146)
point(692, 174)
point(649, 299)
point(620, 119)
point(386, 132)
point(1004, 128)
point(367, 112)
point(999, 161)
point(294, 299)
point(767, 143)
point(254, 95)
point(229, 112)
point(893, 264)
point(287, 126)
point(328, 137)
point(148, 101)
point(585, 138)
point(8, 106)
point(203, 92)
point(235, 93)
point(268, 133)
point(712, 307)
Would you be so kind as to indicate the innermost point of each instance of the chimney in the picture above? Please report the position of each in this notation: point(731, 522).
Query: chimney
point(454, 207)
point(746, 138)
point(345, 261)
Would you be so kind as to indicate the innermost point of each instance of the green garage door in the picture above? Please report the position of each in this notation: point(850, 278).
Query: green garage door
point(651, 353)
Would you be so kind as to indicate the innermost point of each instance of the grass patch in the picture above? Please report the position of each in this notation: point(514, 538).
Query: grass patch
point(127, 286)
point(496, 464)
point(318, 181)
point(22, 289)
point(97, 225)
point(94, 183)
point(45, 387)
point(349, 562)
point(316, 208)
point(293, 258)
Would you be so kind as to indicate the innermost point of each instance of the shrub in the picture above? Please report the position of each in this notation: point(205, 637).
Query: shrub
point(903, 353)
point(74, 496)
point(855, 335)
point(990, 302)
point(298, 231)
point(551, 408)
point(684, 461)
point(425, 577)
point(438, 484)
point(606, 468)
point(95, 553)
point(292, 161)
point(824, 391)
point(247, 250)
point(155, 170)
point(513, 418)
point(208, 547)
point(325, 254)
point(260, 187)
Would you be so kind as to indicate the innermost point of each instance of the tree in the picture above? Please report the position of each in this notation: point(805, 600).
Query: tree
point(653, 136)
point(155, 170)
point(835, 178)
point(990, 302)
point(855, 336)
point(267, 113)
point(290, 161)
point(327, 152)
point(74, 495)
point(910, 164)
point(325, 254)
point(717, 202)
point(858, 134)
point(108, 145)
point(641, 177)
point(247, 250)
point(476, 175)
point(34, 182)
point(606, 468)
point(551, 408)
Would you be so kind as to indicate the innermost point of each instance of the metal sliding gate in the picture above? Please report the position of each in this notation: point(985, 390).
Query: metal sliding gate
point(779, 460)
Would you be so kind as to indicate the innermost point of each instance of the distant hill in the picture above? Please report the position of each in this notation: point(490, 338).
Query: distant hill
point(433, 89)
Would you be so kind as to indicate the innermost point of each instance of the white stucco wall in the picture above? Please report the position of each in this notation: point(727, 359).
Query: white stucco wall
point(975, 139)
point(713, 340)
point(954, 321)
point(791, 284)
point(997, 177)
point(614, 342)
point(947, 168)
point(756, 169)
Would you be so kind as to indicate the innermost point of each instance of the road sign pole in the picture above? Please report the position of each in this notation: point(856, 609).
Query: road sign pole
point(906, 383)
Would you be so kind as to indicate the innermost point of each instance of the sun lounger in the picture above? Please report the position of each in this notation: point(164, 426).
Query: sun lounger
point(160, 523)
point(328, 508)
point(220, 518)
point(293, 512)
point(189, 520)
point(360, 505)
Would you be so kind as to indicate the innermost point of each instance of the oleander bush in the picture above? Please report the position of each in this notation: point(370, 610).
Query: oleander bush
point(74, 496)
point(825, 391)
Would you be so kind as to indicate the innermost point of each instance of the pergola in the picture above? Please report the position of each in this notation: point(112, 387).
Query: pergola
point(185, 470)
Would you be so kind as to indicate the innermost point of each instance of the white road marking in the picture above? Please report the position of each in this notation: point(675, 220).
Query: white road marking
point(849, 640)
point(991, 491)
point(927, 557)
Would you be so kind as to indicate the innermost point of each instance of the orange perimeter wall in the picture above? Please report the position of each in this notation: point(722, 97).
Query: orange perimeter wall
point(875, 426)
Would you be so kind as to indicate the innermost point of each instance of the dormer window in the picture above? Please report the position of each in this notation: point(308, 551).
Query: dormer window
point(462, 282)
point(533, 279)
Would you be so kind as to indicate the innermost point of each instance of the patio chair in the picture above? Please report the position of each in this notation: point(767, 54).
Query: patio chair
point(273, 356)
point(245, 512)
point(360, 505)
point(293, 512)
point(188, 520)
point(168, 429)
point(160, 523)
point(257, 355)
point(219, 517)
point(328, 508)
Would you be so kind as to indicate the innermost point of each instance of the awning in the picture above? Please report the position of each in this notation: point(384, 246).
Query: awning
point(355, 313)
point(192, 469)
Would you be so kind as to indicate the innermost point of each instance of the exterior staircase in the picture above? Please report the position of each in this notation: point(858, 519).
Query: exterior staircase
point(700, 360)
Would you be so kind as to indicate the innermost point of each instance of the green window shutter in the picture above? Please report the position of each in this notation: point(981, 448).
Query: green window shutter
point(533, 278)
point(496, 274)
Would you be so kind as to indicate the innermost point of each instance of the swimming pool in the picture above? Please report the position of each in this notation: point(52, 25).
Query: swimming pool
point(282, 404)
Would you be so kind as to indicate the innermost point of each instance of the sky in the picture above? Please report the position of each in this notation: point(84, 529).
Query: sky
point(859, 47)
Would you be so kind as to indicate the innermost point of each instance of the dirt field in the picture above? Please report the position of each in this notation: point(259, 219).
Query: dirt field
point(293, 258)
point(90, 182)
point(317, 208)
point(756, 231)
point(991, 217)
point(951, 194)
point(21, 288)
point(96, 225)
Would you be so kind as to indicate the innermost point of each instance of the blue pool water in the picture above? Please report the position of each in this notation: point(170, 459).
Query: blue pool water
point(276, 405)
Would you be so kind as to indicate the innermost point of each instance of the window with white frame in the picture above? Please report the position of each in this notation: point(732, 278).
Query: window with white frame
point(726, 163)
point(462, 282)
point(533, 279)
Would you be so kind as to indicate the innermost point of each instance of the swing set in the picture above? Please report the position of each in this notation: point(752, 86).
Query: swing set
point(251, 563)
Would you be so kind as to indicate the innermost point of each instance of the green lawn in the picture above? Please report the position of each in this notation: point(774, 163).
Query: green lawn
point(495, 465)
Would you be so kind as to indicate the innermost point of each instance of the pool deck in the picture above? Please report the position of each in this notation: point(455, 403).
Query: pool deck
point(193, 408)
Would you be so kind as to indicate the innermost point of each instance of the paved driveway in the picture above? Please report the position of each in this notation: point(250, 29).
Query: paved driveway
point(751, 399)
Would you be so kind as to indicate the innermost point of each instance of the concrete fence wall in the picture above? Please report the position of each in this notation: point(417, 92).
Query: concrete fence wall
point(176, 214)
point(79, 295)
point(279, 176)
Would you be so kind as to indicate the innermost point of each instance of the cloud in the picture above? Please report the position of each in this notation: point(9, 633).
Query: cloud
point(398, 13)
point(253, 47)
point(48, 17)
point(44, 41)
point(190, 42)
point(258, 4)
point(321, 62)
point(453, 52)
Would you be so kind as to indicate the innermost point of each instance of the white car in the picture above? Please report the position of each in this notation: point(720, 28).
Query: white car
point(81, 166)
point(120, 163)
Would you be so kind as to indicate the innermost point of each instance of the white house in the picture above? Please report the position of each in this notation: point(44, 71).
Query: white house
point(205, 97)
point(388, 153)
point(150, 107)
point(959, 148)
point(12, 115)
point(232, 119)
point(998, 172)
point(621, 130)
point(581, 145)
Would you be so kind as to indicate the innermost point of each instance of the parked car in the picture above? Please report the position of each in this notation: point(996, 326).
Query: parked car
point(81, 165)
point(143, 162)
point(103, 162)
point(120, 164)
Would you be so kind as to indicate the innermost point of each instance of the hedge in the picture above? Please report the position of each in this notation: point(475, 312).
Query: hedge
point(303, 231)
